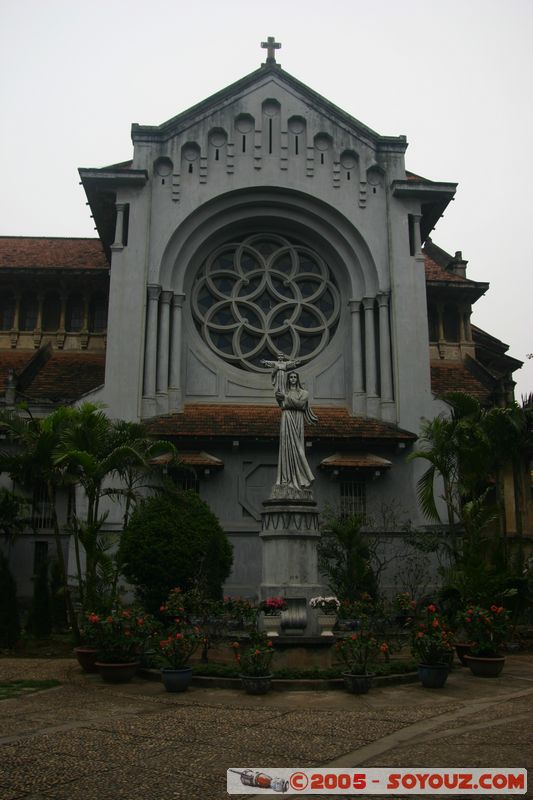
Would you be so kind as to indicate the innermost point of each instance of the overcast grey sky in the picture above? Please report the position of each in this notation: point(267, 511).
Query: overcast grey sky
point(454, 76)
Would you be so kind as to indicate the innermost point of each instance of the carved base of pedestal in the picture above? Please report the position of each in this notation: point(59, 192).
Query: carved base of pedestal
point(289, 535)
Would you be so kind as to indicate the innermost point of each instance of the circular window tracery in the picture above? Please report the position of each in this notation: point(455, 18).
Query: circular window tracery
point(264, 295)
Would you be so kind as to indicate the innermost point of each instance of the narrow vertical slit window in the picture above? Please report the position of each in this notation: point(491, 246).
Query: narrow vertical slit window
point(296, 145)
point(270, 135)
point(244, 143)
point(321, 158)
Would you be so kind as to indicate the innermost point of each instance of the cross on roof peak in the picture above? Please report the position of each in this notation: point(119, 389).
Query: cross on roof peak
point(271, 46)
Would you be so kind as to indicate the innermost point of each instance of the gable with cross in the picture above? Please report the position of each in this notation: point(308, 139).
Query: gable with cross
point(271, 46)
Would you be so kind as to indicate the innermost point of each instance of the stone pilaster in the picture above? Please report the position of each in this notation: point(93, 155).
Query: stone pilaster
point(358, 388)
point(370, 357)
point(118, 244)
point(163, 342)
point(150, 343)
point(387, 393)
point(175, 390)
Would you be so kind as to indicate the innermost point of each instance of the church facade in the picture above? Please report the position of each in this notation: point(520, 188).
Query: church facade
point(262, 221)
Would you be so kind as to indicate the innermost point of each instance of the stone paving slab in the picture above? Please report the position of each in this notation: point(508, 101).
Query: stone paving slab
point(86, 739)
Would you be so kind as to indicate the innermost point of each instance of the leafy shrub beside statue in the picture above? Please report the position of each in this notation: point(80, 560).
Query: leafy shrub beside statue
point(173, 540)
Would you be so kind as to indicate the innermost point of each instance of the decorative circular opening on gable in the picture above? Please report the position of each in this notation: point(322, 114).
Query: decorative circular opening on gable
point(217, 137)
point(244, 123)
point(263, 295)
point(296, 125)
point(271, 107)
point(163, 166)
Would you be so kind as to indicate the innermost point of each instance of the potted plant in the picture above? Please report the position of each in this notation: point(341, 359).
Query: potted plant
point(119, 637)
point(254, 658)
point(361, 649)
point(272, 608)
point(488, 630)
point(327, 608)
point(432, 643)
point(238, 613)
point(175, 651)
point(87, 651)
point(179, 641)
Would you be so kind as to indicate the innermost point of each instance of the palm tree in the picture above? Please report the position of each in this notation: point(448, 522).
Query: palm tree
point(92, 450)
point(34, 463)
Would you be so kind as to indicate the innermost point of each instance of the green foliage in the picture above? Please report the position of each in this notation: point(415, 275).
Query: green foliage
point(121, 636)
point(174, 540)
point(432, 640)
point(9, 616)
point(487, 629)
point(254, 657)
point(13, 514)
point(40, 618)
point(344, 557)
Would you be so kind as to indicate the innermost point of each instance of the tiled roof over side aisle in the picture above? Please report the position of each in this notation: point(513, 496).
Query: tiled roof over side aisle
point(37, 252)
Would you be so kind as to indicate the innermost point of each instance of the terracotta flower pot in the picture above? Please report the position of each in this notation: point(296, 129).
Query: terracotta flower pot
point(462, 649)
point(358, 684)
point(489, 667)
point(86, 658)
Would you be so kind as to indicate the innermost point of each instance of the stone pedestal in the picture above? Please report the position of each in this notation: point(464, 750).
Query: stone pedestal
point(290, 534)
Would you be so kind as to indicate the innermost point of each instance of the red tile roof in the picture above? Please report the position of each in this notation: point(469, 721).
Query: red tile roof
point(434, 272)
point(36, 252)
point(355, 461)
point(67, 376)
point(12, 359)
point(262, 422)
point(191, 458)
point(64, 376)
point(455, 376)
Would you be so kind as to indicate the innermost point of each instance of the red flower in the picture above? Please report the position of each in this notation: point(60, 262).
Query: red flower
point(432, 608)
point(435, 623)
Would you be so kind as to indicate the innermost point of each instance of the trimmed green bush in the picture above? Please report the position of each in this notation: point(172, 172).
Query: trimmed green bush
point(9, 615)
point(174, 540)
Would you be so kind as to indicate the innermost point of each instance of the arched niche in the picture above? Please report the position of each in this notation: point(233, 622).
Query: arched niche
point(297, 129)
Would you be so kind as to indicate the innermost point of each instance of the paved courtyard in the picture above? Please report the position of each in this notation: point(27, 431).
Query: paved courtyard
point(86, 740)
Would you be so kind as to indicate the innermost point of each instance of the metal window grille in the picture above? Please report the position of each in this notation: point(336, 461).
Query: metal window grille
point(353, 498)
point(184, 479)
point(41, 510)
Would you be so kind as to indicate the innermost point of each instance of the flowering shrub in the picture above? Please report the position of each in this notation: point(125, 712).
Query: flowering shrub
point(178, 646)
point(239, 612)
point(120, 636)
point(273, 606)
point(174, 605)
point(359, 650)
point(431, 639)
point(180, 638)
point(327, 605)
point(486, 629)
point(255, 657)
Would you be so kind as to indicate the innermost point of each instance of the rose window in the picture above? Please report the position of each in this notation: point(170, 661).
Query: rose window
point(262, 296)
